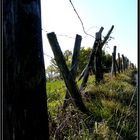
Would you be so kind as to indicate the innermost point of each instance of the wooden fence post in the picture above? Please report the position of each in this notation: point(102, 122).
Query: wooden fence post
point(24, 96)
point(113, 70)
point(107, 36)
point(91, 59)
point(99, 70)
point(114, 62)
point(98, 63)
point(127, 63)
point(67, 76)
point(74, 65)
point(89, 66)
point(123, 60)
point(119, 62)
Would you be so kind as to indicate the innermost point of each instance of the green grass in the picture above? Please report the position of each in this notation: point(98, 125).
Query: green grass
point(55, 94)
point(113, 104)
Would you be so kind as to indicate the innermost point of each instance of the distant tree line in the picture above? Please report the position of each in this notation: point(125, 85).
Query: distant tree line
point(53, 71)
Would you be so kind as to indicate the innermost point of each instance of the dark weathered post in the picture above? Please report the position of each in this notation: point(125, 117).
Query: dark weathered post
point(127, 62)
point(114, 57)
point(91, 59)
point(114, 60)
point(98, 63)
point(117, 66)
point(67, 76)
point(24, 98)
point(113, 70)
point(107, 36)
point(123, 61)
point(74, 65)
point(89, 66)
point(119, 62)
point(75, 56)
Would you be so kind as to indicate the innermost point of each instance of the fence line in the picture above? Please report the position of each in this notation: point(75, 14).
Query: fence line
point(69, 76)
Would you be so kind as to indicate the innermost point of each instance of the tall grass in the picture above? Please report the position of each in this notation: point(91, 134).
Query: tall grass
point(113, 104)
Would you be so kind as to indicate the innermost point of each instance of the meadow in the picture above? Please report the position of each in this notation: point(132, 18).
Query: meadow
point(113, 104)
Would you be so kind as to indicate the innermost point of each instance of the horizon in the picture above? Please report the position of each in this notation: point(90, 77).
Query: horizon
point(94, 14)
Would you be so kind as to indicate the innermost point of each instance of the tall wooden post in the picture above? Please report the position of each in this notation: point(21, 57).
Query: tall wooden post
point(114, 59)
point(123, 60)
point(24, 97)
point(107, 36)
point(74, 65)
point(98, 58)
point(119, 62)
point(91, 59)
point(112, 67)
point(67, 75)
point(113, 70)
point(127, 62)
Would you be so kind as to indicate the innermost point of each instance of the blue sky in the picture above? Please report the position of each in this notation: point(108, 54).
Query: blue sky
point(58, 16)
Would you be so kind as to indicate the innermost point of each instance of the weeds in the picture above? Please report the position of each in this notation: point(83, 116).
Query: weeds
point(113, 104)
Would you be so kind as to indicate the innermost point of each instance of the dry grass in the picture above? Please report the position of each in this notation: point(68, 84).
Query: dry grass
point(114, 111)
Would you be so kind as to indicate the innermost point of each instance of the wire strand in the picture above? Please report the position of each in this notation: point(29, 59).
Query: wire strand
point(80, 20)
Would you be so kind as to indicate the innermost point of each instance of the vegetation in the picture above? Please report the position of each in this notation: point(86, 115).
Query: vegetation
point(113, 104)
point(53, 70)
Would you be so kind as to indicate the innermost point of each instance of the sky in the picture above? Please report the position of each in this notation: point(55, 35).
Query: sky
point(58, 16)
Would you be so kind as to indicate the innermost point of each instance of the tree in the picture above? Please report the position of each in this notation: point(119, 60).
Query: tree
point(68, 57)
point(53, 69)
point(83, 58)
point(24, 96)
point(50, 71)
point(106, 61)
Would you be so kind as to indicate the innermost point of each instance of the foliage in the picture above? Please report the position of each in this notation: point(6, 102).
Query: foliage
point(106, 61)
point(113, 104)
point(55, 94)
point(53, 70)
point(68, 57)
point(83, 58)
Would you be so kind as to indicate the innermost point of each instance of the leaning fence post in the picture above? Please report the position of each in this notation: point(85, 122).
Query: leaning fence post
point(112, 67)
point(117, 66)
point(107, 36)
point(123, 60)
point(74, 65)
point(91, 59)
point(98, 63)
point(119, 62)
point(114, 59)
point(127, 62)
point(67, 76)
point(113, 70)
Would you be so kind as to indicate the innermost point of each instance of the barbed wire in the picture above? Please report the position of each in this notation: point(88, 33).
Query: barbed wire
point(85, 31)
point(67, 36)
point(47, 55)
point(80, 19)
point(44, 30)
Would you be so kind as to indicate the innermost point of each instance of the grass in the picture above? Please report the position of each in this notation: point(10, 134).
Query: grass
point(113, 104)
